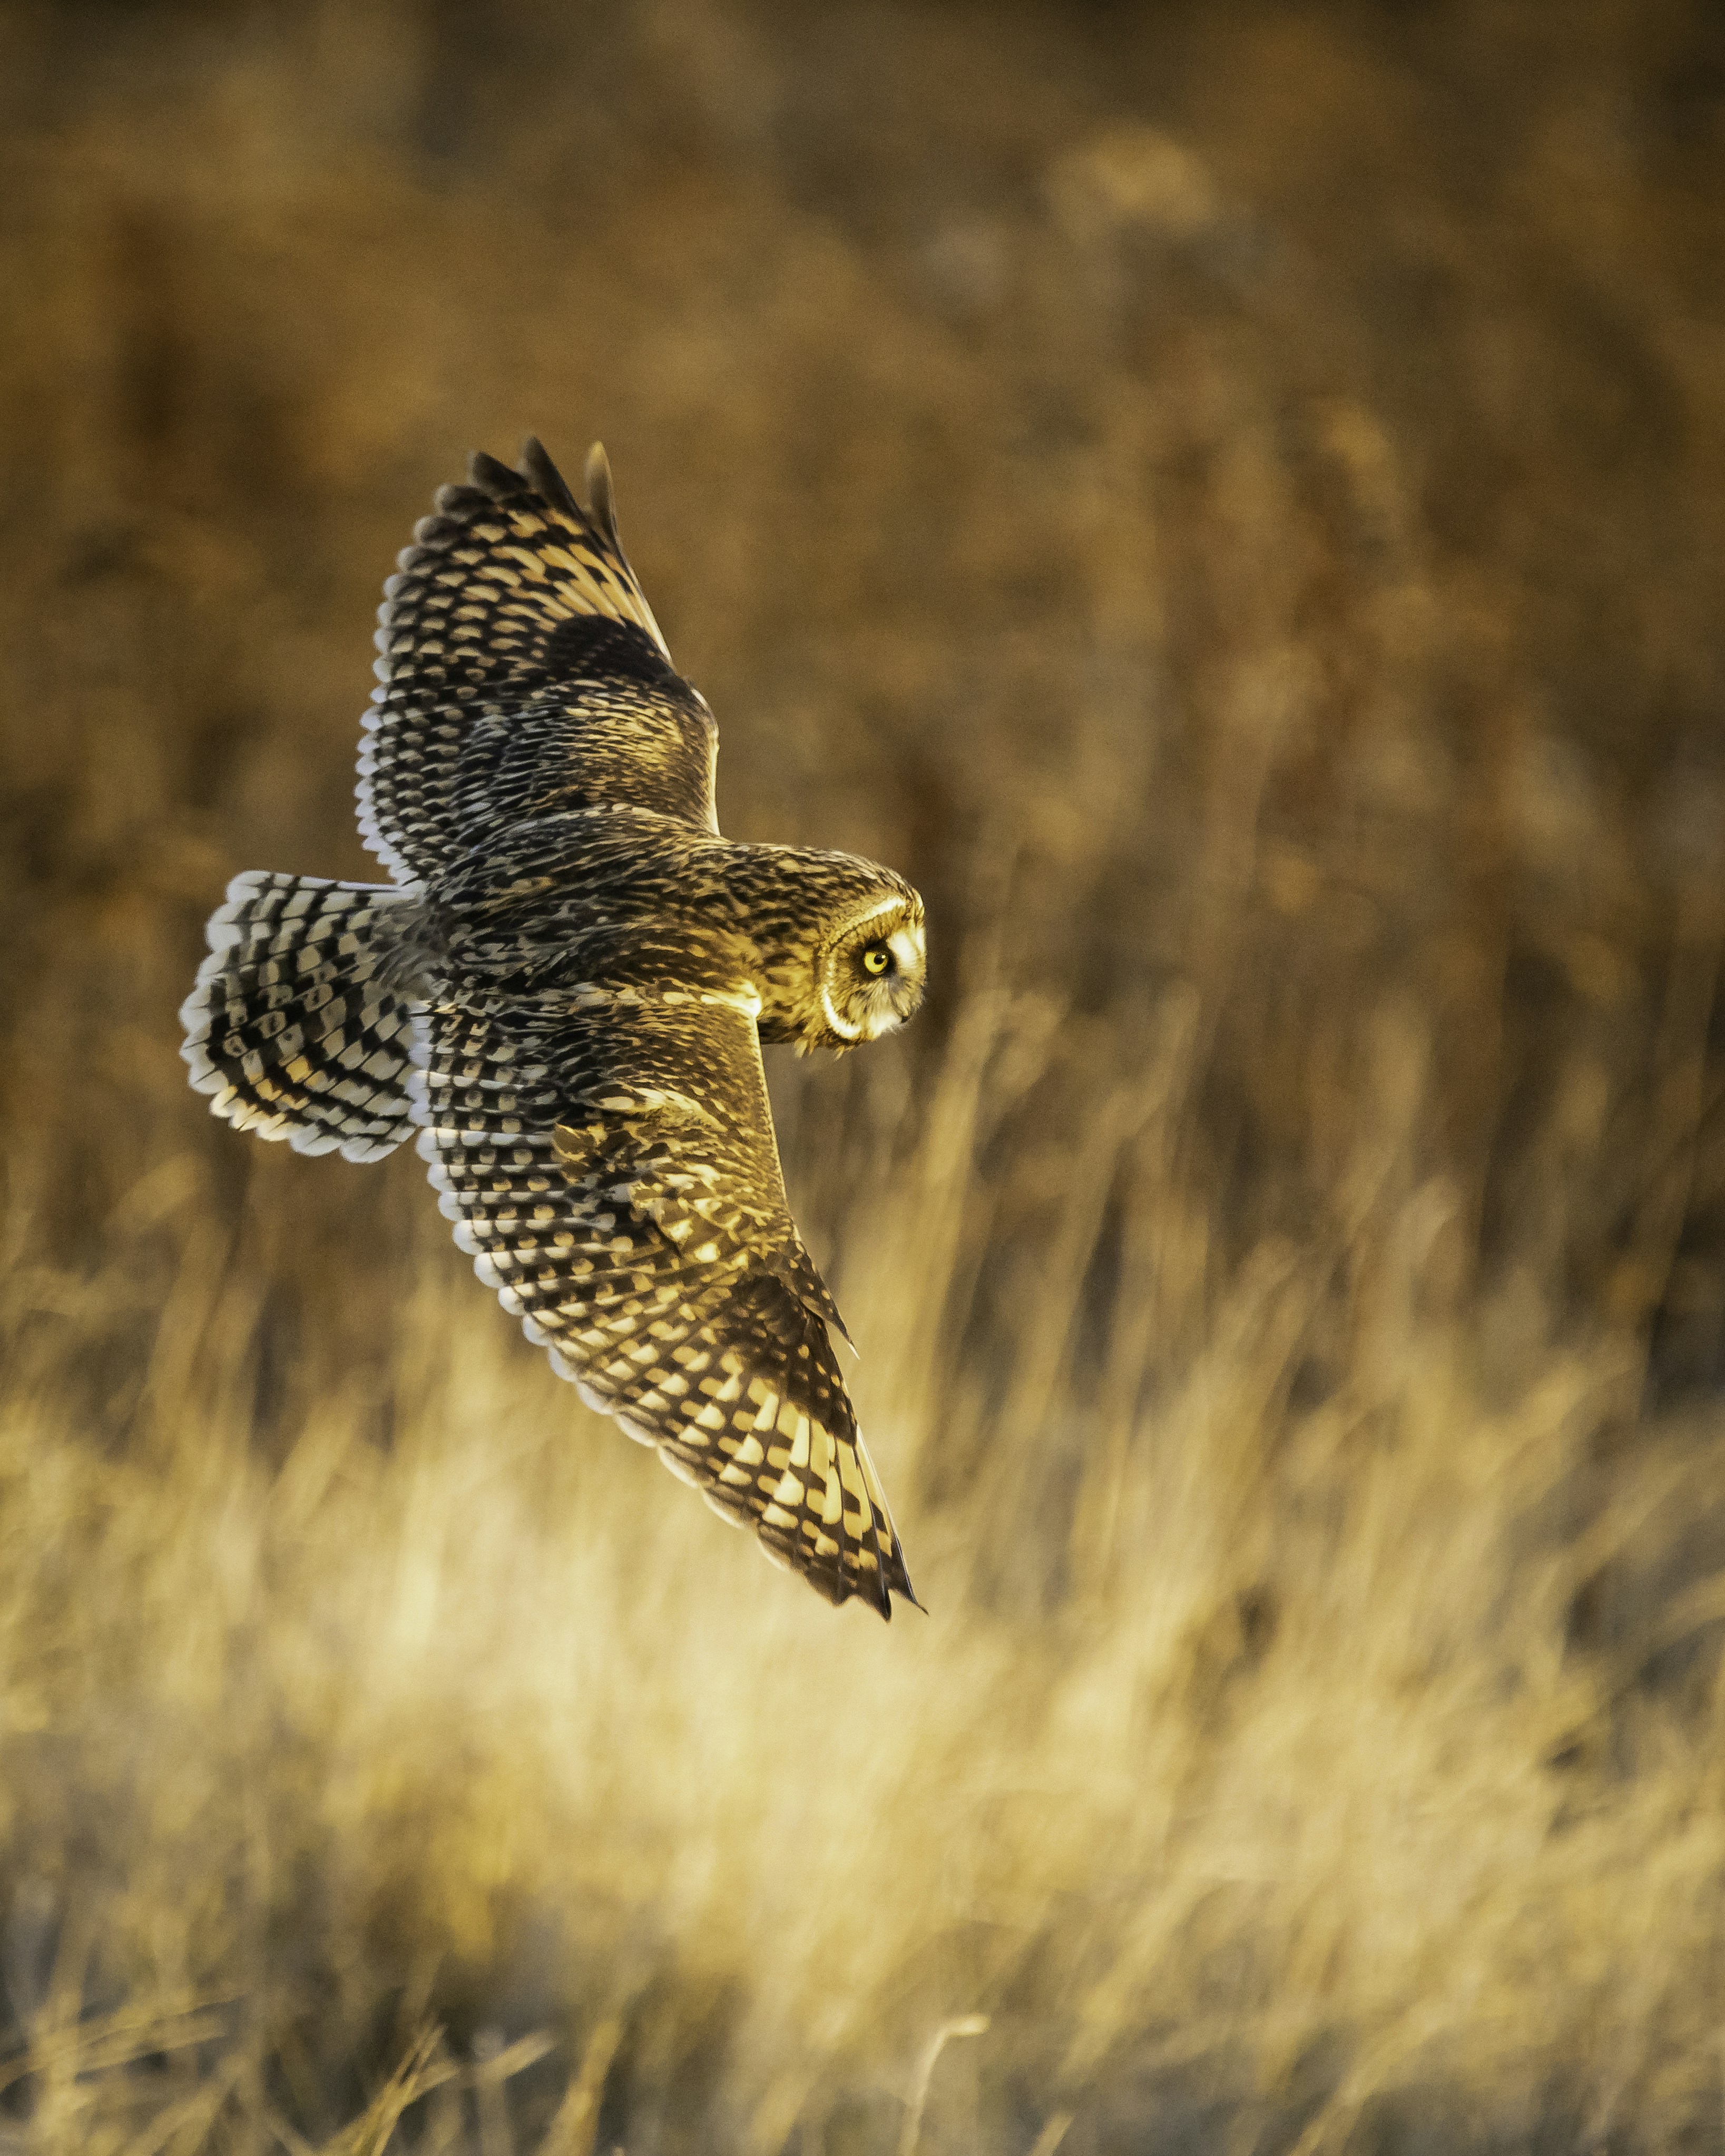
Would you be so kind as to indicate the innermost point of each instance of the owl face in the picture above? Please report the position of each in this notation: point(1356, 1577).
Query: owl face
point(839, 952)
point(869, 975)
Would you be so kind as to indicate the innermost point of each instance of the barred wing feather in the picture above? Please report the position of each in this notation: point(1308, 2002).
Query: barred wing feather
point(614, 1177)
point(521, 671)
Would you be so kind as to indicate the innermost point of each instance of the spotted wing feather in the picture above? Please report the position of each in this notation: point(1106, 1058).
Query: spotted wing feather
point(293, 1026)
point(614, 1175)
point(519, 672)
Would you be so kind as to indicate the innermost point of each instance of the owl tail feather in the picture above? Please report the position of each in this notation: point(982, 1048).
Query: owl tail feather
point(293, 1026)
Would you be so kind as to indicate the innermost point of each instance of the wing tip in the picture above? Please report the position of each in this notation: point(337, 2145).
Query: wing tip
point(489, 479)
point(601, 495)
point(889, 1579)
point(543, 475)
point(896, 1580)
point(492, 478)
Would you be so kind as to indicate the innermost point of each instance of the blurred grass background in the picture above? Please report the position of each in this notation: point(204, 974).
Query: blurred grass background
point(1232, 502)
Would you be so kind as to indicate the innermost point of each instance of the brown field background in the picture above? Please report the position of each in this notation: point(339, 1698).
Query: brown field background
point(1231, 500)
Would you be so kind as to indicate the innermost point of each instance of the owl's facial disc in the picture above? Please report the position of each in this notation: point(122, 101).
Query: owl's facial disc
point(873, 977)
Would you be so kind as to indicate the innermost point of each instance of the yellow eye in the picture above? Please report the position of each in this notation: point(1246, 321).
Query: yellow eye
point(877, 959)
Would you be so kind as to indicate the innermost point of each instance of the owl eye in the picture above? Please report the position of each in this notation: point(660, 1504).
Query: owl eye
point(877, 959)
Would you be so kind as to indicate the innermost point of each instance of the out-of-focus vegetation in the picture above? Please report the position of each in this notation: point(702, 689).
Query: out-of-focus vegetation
point(1231, 500)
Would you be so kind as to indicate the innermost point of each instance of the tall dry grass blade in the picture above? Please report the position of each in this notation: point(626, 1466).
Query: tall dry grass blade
point(575, 2124)
point(961, 2024)
point(423, 2067)
point(1054, 2129)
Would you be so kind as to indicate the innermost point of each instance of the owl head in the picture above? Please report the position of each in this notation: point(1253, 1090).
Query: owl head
point(838, 950)
point(869, 973)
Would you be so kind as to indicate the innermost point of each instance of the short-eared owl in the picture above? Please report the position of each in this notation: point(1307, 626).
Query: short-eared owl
point(563, 994)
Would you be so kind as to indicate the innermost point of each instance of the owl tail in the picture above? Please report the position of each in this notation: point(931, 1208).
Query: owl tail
point(292, 1026)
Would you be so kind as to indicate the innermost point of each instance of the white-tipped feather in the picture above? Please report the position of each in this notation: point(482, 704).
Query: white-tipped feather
point(322, 1077)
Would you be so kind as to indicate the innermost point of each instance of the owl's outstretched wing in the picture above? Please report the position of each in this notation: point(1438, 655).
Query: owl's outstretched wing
point(612, 1171)
point(521, 672)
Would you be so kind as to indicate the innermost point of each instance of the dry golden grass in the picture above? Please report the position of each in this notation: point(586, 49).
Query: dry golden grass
point(1231, 502)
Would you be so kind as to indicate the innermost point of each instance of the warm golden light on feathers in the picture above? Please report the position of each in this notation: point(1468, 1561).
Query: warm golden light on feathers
point(542, 997)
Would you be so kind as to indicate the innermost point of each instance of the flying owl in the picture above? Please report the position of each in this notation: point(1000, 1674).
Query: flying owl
point(563, 996)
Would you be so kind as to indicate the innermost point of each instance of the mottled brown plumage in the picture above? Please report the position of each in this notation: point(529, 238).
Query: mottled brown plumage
point(564, 993)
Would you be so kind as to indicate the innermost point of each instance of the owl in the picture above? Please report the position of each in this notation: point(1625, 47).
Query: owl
point(561, 997)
